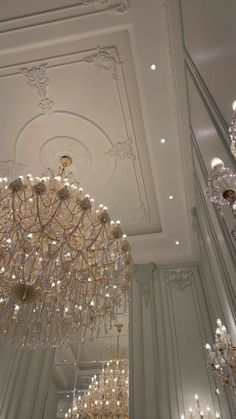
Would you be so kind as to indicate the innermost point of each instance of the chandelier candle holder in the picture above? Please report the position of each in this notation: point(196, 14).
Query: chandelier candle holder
point(65, 268)
point(222, 358)
point(108, 393)
point(196, 412)
point(221, 187)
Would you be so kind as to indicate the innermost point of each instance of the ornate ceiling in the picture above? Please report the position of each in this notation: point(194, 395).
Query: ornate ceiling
point(75, 79)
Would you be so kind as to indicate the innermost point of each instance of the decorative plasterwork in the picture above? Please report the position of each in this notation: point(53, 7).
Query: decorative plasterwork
point(122, 150)
point(38, 80)
point(106, 59)
point(146, 293)
point(65, 13)
point(179, 279)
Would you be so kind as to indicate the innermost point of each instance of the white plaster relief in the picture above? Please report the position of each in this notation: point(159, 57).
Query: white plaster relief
point(38, 80)
point(106, 59)
point(179, 279)
point(122, 150)
point(146, 293)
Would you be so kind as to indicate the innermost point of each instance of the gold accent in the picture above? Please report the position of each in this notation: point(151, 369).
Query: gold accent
point(229, 195)
point(66, 161)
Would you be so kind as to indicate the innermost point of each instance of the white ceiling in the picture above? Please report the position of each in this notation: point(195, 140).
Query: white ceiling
point(99, 101)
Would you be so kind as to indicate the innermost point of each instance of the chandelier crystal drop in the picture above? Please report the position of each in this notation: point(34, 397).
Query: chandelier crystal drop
point(232, 130)
point(65, 269)
point(108, 393)
point(222, 358)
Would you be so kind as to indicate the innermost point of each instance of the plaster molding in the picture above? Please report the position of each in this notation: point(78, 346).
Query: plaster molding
point(146, 293)
point(38, 80)
point(179, 280)
point(122, 150)
point(138, 215)
point(64, 13)
point(105, 59)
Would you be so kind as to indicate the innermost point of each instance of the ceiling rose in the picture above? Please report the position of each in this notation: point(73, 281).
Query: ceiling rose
point(65, 267)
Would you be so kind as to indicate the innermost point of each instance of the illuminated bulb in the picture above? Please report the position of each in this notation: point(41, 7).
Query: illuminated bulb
point(177, 242)
point(234, 105)
point(219, 322)
point(196, 397)
point(190, 410)
point(201, 413)
point(171, 197)
point(208, 347)
point(182, 416)
point(208, 409)
point(153, 67)
point(163, 140)
point(217, 415)
point(216, 162)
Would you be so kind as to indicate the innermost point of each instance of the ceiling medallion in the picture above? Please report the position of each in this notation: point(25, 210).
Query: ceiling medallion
point(65, 268)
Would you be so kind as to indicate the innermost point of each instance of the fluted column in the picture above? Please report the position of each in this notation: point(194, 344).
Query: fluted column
point(144, 362)
point(24, 381)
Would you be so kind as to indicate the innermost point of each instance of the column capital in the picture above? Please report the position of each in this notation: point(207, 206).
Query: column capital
point(144, 272)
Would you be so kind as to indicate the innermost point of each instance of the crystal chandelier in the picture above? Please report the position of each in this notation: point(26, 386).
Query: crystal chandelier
point(108, 394)
point(221, 188)
point(197, 412)
point(222, 358)
point(64, 267)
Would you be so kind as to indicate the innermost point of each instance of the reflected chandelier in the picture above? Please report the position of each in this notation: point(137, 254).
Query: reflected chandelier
point(64, 267)
point(222, 358)
point(108, 394)
point(197, 412)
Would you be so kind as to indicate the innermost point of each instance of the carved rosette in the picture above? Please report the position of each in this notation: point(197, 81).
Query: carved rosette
point(106, 59)
point(122, 150)
point(38, 80)
point(179, 280)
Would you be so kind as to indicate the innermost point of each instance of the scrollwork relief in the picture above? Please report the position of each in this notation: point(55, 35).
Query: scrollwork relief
point(38, 80)
point(106, 59)
point(179, 279)
point(122, 150)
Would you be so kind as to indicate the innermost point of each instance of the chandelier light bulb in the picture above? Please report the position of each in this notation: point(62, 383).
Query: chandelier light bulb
point(234, 105)
point(219, 323)
point(196, 397)
point(216, 162)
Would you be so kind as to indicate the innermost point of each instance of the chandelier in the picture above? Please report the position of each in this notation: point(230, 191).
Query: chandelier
point(222, 358)
point(221, 186)
point(65, 268)
point(197, 412)
point(108, 394)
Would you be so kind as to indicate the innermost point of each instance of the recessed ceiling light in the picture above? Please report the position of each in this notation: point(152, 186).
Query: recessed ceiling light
point(153, 67)
point(171, 197)
point(163, 140)
point(64, 360)
point(177, 242)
